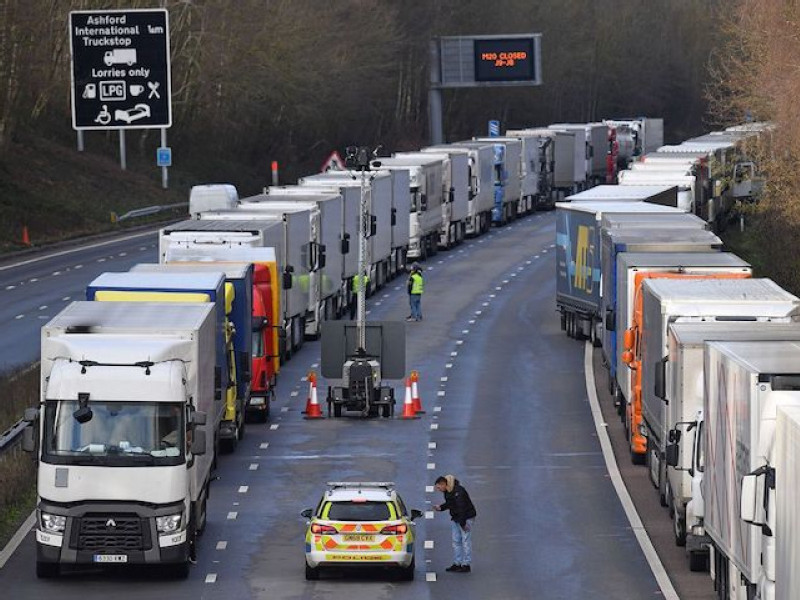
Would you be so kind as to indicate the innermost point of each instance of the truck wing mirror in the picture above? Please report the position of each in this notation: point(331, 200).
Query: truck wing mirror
point(611, 319)
point(346, 243)
point(199, 442)
point(451, 195)
point(660, 387)
point(258, 323)
point(627, 358)
point(321, 256)
point(287, 278)
point(672, 454)
point(751, 505)
point(629, 338)
point(373, 225)
point(423, 202)
point(199, 418)
point(394, 217)
point(29, 437)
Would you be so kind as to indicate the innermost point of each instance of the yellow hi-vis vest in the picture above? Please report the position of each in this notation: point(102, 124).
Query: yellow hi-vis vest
point(417, 284)
point(357, 282)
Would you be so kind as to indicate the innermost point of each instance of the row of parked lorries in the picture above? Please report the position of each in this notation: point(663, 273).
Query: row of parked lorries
point(144, 381)
point(703, 358)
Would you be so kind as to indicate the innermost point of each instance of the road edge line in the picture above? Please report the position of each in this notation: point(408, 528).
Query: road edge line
point(649, 551)
point(12, 545)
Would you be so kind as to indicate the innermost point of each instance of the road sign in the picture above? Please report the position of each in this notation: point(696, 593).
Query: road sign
point(494, 128)
point(164, 157)
point(490, 60)
point(120, 69)
point(333, 163)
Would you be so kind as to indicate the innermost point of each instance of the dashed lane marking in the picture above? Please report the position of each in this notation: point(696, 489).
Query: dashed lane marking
point(429, 489)
point(454, 353)
point(55, 273)
point(443, 379)
point(465, 331)
point(430, 577)
point(65, 299)
point(222, 545)
point(33, 280)
point(294, 393)
point(432, 445)
point(428, 514)
point(43, 307)
point(428, 544)
point(253, 466)
point(232, 515)
point(19, 317)
point(485, 304)
point(431, 466)
point(211, 578)
point(10, 287)
point(285, 409)
point(440, 393)
point(274, 426)
point(78, 267)
point(434, 426)
point(505, 280)
point(243, 489)
point(264, 445)
point(448, 366)
point(437, 409)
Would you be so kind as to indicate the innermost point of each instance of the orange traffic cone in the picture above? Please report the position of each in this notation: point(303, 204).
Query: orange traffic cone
point(408, 403)
point(313, 411)
point(415, 399)
point(26, 238)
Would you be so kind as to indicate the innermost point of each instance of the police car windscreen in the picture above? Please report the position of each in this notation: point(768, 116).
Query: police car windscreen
point(359, 511)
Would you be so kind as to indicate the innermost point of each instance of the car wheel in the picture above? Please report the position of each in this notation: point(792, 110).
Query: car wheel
point(312, 573)
point(407, 573)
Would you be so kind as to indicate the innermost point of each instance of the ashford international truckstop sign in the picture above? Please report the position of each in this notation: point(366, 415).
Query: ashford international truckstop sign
point(120, 69)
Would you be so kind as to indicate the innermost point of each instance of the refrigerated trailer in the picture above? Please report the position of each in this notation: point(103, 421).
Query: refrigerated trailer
point(521, 158)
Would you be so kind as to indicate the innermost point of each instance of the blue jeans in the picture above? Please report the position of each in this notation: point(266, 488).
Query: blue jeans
point(415, 300)
point(462, 543)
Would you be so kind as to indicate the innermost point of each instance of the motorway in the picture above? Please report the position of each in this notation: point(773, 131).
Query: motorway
point(507, 412)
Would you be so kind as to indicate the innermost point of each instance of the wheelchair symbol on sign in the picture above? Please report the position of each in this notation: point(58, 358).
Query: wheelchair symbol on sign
point(103, 117)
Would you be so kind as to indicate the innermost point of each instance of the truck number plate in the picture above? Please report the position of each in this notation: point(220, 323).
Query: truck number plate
point(110, 558)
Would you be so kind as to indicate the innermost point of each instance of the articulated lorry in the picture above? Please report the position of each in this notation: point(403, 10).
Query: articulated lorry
point(578, 260)
point(508, 177)
point(670, 301)
point(127, 408)
point(266, 330)
point(633, 268)
point(596, 147)
point(189, 287)
point(288, 239)
point(560, 170)
point(455, 191)
point(427, 196)
point(480, 162)
point(520, 161)
point(682, 391)
point(746, 384)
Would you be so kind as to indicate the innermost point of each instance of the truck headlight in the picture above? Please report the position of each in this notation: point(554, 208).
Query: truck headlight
point(168, 524)
point(53, 523)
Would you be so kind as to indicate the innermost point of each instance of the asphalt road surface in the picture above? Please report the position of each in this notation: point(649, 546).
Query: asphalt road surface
point(507, 413)
point(34, 289)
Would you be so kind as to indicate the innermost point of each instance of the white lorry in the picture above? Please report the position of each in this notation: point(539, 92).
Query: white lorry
point(521, 165)
point(480, 161)
point(127, 406)
point(682, 391)
point(425, 184)
point(455, 191)
point(746, 383)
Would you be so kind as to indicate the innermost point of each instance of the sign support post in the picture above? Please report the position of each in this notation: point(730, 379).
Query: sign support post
point(164, 168)
point(123, 159)
point(435, 96)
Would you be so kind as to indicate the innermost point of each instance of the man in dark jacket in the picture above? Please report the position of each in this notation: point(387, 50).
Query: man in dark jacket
point(462, 514)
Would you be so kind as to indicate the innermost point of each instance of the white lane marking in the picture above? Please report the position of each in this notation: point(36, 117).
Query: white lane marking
point(211, 578)
point(73, 250)
point(429, 489)
point(432, 445)
point(465, 331)
point(454, 353)
point(78, 267)
point(122, 254)
point(304, 378)
point(505, 280)
point(431, 466)
point(274, 426)
point(437, 409)
point(293, 394)
point(428, 544)
point(552, 245)
point(544, 251)
point(43, 307)
point(285, 409)
point(314, 365)
point(222, 545)
point(459, 342)
point(492, 295)
point(10, 287)
point(498, 288)
point(448, 366)
point(478, 312)
point(440, 393)
point(18, 317)
point(378, 303)
point(101, 260)
point(434, 426)
point(428, 514)
point(253, 466)
point(17, 539)
point(513, 275)
point(142, 248)
point(33, 280)
point(367, 312)
point(537, 256)
point(243, 489)
point(527, 262)
point(443, 379)
point(264, 445)
point(55, 273)
point(485, 304)
point(65, 299)
point(619, 486)
point(430, 577)
point(232, 515)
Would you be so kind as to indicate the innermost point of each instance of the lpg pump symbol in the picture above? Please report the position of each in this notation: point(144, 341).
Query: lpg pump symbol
point(90, 91)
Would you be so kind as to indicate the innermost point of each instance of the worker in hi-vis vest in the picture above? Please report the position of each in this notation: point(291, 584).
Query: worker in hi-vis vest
point(354, 299)
point(416, 287)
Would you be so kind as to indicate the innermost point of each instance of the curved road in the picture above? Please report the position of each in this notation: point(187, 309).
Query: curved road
point(507, 412)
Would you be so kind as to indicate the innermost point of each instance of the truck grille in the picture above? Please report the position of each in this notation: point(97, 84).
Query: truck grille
point(111, 533)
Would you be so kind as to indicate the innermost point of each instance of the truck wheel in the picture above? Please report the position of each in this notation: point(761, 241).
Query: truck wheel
point(679, 528)
point(337, 410)
point(45, 570)
point(698, 561)
point(636, 458)
point(240, 430)
point(386, 411)
point(312, 573)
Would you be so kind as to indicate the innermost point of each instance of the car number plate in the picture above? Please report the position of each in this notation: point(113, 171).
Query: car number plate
point(359, 538)
point(110, 558)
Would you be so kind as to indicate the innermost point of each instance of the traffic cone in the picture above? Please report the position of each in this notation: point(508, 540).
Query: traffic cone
point(26, 238)
point(408, 403)
point(313, 411)
point(415, 399)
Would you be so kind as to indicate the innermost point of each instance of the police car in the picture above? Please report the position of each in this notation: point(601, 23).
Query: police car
point(360, 523)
